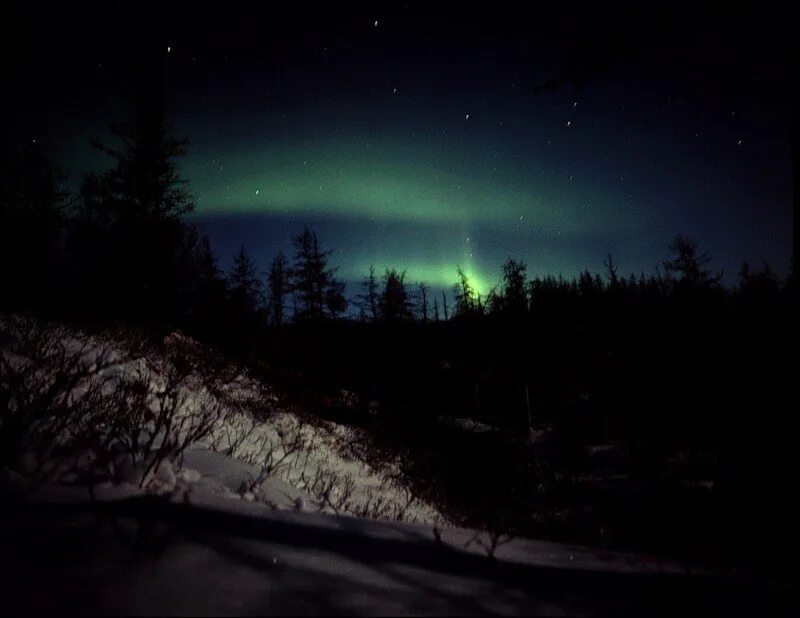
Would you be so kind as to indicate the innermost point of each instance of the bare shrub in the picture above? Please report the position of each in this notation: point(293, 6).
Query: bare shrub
point(493, 541)
point(271, 452)
point(50, 389)
point(67, 398)
point(331, 489)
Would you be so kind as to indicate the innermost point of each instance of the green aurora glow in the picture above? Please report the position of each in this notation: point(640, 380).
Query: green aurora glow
point(455, 185)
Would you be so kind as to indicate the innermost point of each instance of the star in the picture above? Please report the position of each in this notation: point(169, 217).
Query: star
point(569, 123)
point(169, 48)
point(376, 23)
point(256, 191)
point(466, 117)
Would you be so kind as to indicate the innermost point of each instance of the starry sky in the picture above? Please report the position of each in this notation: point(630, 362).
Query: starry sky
point(426, 138)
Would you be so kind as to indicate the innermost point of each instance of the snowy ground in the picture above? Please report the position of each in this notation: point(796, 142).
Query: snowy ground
point(203, 550)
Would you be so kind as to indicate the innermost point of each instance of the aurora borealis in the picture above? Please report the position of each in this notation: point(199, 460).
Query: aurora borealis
point(422, 142)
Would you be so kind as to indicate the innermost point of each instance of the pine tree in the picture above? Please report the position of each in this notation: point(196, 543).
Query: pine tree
point(466, 303)
point(423, 300)
point(689, 263)
point(244, 285)
point(202, 293)
point(32, 216)
point(514, 296)
point(394, 303)
point(278, 286)
point(335, 300)
point(368, 300)
point(315, 286)
point(131, 232)
point(586, 283)
point(143, 184)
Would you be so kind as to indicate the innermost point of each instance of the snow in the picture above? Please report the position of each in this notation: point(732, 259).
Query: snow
point(133, 553)
point(321, 457)
point(260, 516)
point(466, 424)
point(216, 475)
point(273, 447)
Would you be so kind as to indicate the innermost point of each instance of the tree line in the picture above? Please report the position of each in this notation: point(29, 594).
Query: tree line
point(122, 248)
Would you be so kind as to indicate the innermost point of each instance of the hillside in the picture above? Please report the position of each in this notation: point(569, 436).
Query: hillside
point(152, 477)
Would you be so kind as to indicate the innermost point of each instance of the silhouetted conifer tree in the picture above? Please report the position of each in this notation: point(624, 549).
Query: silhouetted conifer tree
point(689, 263)
point(244, 285)
point(203, 289)
point(130, 229)
point(313, 282)
point(466, 302)
point(758, 287)
point(513, 298)
point(335, 300)
point(423, 301)
point(278, 287)
point(368, 300)
point(32, 215)
point(394, 302)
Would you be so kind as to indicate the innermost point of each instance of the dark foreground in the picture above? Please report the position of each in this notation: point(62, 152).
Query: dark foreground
point(149, 556)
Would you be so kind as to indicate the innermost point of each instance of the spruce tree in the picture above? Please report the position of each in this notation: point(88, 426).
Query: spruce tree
point(368, 300)
point(394, 303)
point(466, 302)
point(314, 284)
point(130, 228)
point(514, 296)
point(244, 285)
point(278, 286)
point(423, 301)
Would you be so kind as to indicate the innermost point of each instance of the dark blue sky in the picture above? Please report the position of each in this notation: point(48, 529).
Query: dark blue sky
point(427, 141)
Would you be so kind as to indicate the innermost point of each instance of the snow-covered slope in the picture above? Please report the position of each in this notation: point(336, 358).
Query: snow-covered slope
point(270, 444)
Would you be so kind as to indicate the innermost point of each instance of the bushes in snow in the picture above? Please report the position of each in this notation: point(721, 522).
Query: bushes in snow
point(117, 407)
point(73, 408)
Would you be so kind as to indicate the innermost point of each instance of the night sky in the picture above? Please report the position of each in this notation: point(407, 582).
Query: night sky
point(425, 138)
